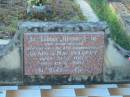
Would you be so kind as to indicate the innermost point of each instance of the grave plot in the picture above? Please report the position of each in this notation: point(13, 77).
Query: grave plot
point(61, 42)
point(63, 53)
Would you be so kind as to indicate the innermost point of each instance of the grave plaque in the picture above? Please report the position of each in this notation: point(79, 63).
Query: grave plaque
point(63, 53)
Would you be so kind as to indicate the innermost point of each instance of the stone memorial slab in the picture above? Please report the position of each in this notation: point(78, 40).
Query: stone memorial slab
point(63, 53)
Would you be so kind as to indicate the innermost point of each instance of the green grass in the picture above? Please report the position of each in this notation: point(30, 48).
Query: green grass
point(106, 13)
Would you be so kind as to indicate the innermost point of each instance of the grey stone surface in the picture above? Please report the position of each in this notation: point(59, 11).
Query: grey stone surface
point(10, 61)
point(39, 26)
point(116, 67)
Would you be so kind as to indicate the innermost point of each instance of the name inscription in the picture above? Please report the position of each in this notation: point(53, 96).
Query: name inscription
point(63, 53)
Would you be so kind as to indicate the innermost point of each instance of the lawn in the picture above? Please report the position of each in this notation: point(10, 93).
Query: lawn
point(106, 13)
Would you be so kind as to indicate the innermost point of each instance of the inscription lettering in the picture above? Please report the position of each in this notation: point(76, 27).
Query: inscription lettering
point(62, 53)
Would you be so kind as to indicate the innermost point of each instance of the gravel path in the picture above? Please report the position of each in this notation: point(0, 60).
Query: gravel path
point(87, 11)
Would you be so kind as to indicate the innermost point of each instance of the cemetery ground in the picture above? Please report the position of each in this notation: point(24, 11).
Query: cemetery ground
point(72, 12)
